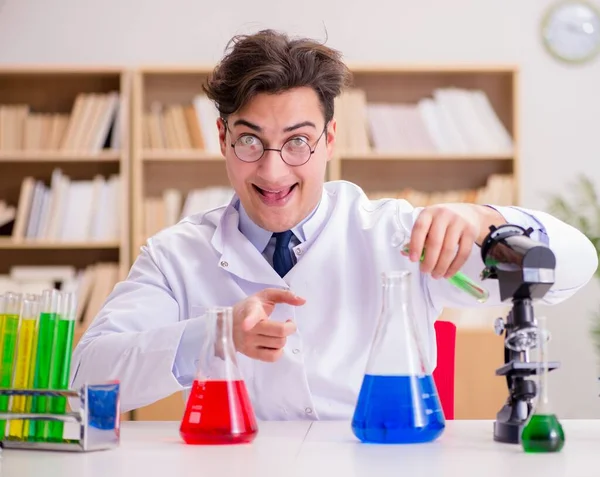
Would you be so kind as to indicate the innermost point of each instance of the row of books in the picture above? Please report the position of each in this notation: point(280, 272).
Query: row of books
point(92, 125)
point(170, 207)
point(452, 120)
point(91, 285)
point(68, 210)
point(498, 190)
point(182, 126)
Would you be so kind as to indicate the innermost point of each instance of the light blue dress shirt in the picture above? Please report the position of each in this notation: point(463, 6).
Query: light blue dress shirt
point(264, 241)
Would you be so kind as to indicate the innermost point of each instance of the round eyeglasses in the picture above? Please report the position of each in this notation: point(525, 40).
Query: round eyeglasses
point(295, 151)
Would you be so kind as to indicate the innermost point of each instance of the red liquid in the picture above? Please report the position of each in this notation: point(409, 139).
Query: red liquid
point(218, 412)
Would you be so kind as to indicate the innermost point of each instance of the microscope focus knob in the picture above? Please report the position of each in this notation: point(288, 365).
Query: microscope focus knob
point(499, 326)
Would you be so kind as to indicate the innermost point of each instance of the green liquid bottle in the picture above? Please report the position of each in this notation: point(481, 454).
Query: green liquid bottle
point(543, 432)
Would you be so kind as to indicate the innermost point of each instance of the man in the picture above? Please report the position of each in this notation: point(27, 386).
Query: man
point(299, 260)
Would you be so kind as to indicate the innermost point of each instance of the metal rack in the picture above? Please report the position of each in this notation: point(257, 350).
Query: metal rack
point(97, 416)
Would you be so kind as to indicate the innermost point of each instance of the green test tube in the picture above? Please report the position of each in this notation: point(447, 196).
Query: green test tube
point(459, 279)
point(24, 365)
point(38, 429)
point(8, 343)
point(60, 366)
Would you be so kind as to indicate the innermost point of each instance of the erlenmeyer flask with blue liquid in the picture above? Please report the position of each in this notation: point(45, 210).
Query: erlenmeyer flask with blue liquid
point(398, 401)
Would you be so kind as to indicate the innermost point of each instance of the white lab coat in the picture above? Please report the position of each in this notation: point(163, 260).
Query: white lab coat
point(204, 260)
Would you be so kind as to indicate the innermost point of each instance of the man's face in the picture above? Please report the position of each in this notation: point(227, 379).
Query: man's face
point(276, 195)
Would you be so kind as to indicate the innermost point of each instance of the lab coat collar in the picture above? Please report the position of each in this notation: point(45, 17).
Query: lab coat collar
point(237, 255)
point(303, 231)
point(240, 256)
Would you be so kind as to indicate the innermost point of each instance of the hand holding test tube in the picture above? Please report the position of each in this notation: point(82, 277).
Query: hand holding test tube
point(401, 240)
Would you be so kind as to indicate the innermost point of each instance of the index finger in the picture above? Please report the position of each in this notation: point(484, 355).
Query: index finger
point(419, 235)
point(277, 295)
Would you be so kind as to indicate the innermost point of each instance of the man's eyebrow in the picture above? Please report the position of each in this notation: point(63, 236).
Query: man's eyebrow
point(243, 122)
point(300, 125)
point(257, 128)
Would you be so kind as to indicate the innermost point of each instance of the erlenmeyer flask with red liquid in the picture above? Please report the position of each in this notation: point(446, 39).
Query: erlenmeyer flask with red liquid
point(218, 409)
point(398, 401)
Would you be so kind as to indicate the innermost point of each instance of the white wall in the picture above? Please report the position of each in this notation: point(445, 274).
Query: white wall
point(560, 105)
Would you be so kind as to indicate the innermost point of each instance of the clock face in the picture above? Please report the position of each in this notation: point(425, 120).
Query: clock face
point(571, 31)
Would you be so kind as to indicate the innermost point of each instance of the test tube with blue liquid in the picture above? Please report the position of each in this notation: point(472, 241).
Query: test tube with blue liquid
point(398, 401)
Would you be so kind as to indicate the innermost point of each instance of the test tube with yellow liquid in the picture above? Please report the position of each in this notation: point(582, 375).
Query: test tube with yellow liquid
point(61, 362)
point(8, 342)
point(24, 365)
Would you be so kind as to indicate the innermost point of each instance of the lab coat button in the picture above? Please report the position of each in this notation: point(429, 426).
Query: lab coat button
point(308, 410)
point(298, 251)
point(295, 351)
point(224, 264)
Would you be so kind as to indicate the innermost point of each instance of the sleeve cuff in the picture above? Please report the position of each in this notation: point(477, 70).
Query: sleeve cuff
point(515, 215)
point(186, 359)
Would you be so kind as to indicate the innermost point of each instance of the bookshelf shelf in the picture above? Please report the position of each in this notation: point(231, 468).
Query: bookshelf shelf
point(59, 156)
point(8, 244)
point(180, 156)
point(423, 156)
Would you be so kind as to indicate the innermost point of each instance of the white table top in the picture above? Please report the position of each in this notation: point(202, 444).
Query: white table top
point(315, 449)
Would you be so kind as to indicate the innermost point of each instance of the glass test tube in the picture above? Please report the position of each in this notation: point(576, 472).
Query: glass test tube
point(459, 279)
point(8, 342)
point(38, 429)
point(61, 361)
point(23, 369)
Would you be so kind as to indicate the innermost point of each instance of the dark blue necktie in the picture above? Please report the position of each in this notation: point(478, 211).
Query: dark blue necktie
point(282, 258)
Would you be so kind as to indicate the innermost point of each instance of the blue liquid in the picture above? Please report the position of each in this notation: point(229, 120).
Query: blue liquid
point(398, 410)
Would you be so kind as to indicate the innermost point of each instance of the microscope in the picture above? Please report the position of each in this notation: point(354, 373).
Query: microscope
point(524, 269)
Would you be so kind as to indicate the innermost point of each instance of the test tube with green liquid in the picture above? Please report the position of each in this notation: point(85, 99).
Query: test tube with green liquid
point(8, 344)
point(61, 361)
point(2, 309)
point(38, 429)
point(23, 369)
point(461, 281)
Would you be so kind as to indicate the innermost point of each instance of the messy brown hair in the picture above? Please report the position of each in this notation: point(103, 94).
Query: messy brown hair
point(272, 62)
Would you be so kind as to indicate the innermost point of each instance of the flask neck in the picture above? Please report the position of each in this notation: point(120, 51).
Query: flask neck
point(217, 357)
point(396, 292)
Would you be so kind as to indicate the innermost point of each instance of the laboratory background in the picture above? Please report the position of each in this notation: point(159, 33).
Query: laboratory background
point(106, 138)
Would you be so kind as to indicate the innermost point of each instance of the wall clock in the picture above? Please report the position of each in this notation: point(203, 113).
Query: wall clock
point(571, 31)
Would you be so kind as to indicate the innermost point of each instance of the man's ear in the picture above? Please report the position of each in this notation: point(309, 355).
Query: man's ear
point(222, 128)
point(330, 138)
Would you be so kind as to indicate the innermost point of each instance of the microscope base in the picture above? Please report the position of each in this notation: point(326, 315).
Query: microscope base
point(508, 432)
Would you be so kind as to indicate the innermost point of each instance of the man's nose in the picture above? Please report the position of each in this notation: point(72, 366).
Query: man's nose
point(271, 166)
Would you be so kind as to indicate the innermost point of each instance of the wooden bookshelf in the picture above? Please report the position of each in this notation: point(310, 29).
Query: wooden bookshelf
point(175, 165)
point(91, 142)
point(403, 107)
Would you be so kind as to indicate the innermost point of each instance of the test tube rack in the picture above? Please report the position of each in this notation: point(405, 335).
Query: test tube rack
point(97, 418)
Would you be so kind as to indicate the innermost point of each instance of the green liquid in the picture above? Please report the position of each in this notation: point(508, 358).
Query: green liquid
point(543, 433)
point(59, 373)
point(38, 430)
point(9, 327)
point(464, 283)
